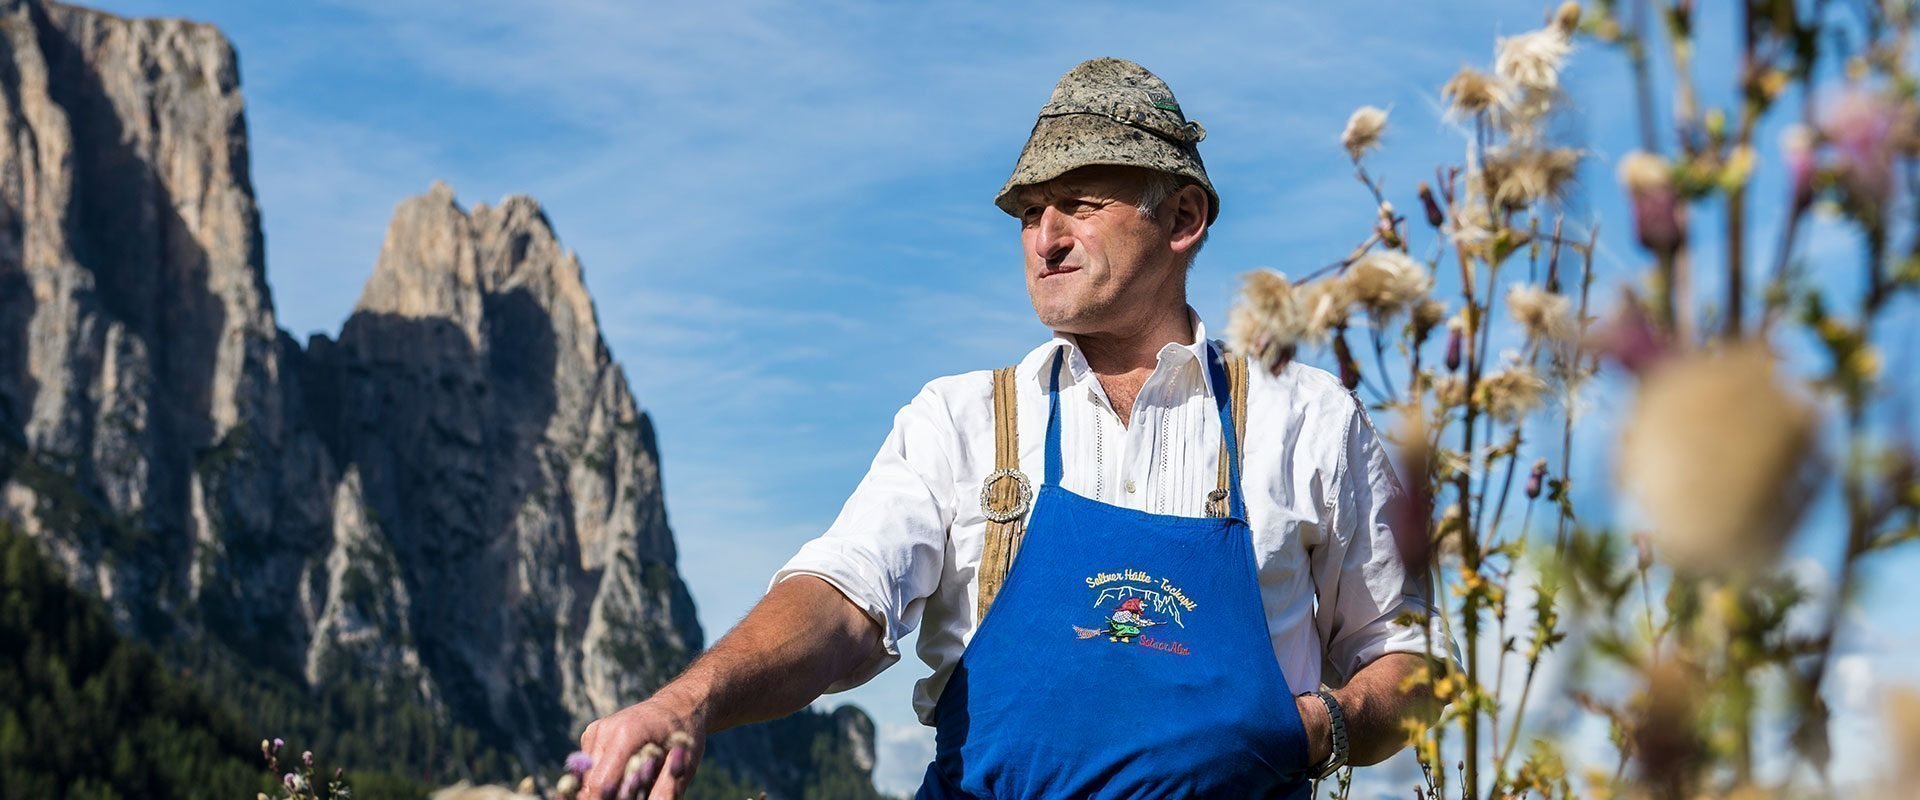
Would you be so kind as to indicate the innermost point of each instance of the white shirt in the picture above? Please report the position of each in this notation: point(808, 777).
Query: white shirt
point(906, 546)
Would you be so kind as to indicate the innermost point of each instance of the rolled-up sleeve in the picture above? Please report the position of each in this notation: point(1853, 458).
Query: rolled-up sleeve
point(885, 549)
point(1363, 586)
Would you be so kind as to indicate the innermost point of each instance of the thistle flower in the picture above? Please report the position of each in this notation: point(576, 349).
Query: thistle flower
point(1566, 18)
point(1534, 478)
point(1657, 214)
point(1520, 177)
point(1267, 321)
point(1715, 451)
point(1409, 512)
point(1630, 337)
point(679, 753)
point(1327, 304)
point(1860, 127)
point(1510, 394)
point(1447, 532)
point(1546, 317)
point(1472, 223)
point(1432, 206)
point(1450, 391)
point(1388, 226)
point(1455, 338)
point(1363, 130)
point(1665, 733)
point(642, 768)
point(1427, 314)
point(631, 785)
point(1532, 60)
point(578, 763)
point(306, 757)
point(1471, 92)
point(1386, 282)
point(294, 783)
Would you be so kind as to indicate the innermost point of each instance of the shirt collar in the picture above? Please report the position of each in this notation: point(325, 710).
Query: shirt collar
point(1038, 363)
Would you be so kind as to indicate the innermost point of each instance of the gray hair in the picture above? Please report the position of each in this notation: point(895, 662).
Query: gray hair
point(1156, 187)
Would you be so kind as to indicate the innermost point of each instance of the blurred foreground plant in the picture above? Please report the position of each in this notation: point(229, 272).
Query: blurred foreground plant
point(299, 781)
point(1683, 638)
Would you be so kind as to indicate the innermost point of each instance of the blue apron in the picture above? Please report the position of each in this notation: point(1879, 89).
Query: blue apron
point(1126, 656)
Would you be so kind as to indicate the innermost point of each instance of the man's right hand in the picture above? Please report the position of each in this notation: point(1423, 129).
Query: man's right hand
point(677, 727)
point(795, 643)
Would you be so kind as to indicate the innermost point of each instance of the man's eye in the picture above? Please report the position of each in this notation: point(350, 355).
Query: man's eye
point(1030, 216)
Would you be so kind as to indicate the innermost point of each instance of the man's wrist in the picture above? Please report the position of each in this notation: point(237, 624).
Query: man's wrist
point(689, 700)
point(1314, 720)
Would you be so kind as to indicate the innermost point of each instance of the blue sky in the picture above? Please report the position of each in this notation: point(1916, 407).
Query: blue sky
point(784, 209)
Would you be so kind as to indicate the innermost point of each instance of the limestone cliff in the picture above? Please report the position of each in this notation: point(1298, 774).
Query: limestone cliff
point(459, 496)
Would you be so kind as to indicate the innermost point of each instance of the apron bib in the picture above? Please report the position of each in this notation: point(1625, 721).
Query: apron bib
point(1127, 656)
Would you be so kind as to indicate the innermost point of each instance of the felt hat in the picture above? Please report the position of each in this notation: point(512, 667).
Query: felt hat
point(1110, 111)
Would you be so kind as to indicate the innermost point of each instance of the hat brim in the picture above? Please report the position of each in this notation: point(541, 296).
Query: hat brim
point(1062, 144)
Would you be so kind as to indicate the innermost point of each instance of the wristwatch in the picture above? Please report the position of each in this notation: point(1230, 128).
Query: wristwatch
point(1337, 730)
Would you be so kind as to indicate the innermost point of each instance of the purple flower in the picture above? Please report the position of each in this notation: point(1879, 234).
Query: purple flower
point(631, 784)
point(578, 763)
point(1630, 338)
point(1659, 213)
point(278, 743)
point(306, 757)
point(1432, 206)
point(1860, 126)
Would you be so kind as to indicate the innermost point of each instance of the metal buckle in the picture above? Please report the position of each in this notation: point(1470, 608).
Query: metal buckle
point(1217, 503)
point(1021, 504)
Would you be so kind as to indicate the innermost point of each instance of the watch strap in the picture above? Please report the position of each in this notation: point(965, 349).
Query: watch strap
point(1336, 731)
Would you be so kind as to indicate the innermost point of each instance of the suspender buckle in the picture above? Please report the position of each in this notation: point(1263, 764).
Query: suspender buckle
point(1217, 503)
point(1023, 499)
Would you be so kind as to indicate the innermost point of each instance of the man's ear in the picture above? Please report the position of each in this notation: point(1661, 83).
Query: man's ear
point(1189, 208)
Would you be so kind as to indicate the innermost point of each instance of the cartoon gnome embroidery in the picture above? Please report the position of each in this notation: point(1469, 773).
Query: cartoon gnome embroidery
point(1123, 625)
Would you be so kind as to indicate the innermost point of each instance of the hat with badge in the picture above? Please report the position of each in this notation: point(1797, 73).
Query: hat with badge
point(1110, 111)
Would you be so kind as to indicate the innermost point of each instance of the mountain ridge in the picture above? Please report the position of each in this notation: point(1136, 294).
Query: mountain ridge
point(458, 495)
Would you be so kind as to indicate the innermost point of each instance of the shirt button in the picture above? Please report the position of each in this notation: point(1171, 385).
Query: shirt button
point(1129, 486)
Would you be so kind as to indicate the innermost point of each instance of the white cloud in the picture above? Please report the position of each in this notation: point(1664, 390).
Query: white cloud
point(903, 753)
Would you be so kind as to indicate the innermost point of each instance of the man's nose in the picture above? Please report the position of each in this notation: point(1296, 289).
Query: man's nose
point(1051, 240)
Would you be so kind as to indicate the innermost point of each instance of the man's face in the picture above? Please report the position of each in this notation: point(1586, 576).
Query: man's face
point(1093, 264)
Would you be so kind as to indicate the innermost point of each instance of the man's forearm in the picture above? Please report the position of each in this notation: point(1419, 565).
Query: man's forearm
point(1375, 708)
point(798, 640)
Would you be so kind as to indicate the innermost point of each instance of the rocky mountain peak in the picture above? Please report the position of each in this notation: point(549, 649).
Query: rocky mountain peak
point(458, 501)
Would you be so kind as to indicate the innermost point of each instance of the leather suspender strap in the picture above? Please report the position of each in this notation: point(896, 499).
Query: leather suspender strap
point(1237, 391)
point(1005, 497)
point(1007, 494)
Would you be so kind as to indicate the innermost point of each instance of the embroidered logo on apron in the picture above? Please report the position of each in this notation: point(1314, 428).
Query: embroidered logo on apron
point(1131, 602)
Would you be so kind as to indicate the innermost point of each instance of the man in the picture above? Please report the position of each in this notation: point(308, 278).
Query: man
point(1245, 582)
